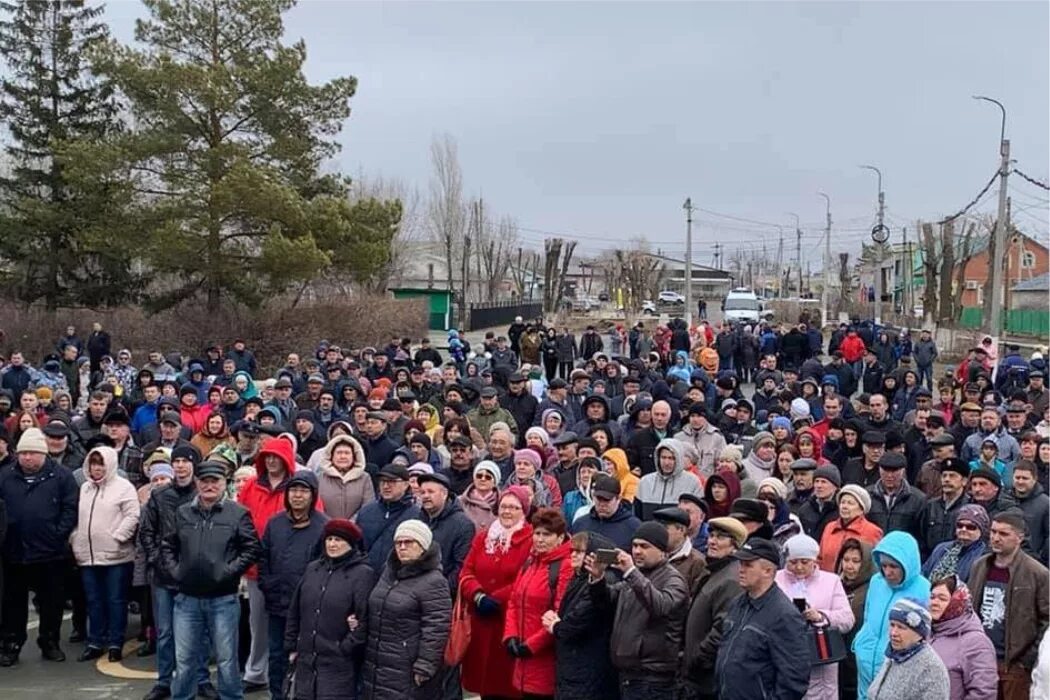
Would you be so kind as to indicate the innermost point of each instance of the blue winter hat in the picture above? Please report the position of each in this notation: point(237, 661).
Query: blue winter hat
point(912, 614)
point(780, 422)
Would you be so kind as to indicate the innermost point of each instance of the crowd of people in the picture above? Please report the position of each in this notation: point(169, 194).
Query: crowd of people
point(538, 517)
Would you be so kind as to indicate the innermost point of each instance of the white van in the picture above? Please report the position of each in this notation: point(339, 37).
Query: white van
point(742, 306)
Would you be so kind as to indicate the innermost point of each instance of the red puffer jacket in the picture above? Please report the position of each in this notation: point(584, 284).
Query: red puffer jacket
point(262, 500)
point(487, 667)
point(530, 598)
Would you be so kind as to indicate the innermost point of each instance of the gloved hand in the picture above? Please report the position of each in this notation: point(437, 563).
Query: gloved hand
point(513, 646)
point(486, 605)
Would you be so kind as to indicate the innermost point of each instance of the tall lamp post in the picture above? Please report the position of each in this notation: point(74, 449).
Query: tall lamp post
point(688, 206)
point(824, 296)
point(995, 318)
point(880, 234)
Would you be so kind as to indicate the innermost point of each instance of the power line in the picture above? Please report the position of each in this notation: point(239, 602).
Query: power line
point(1037, 183)
point(972, 203)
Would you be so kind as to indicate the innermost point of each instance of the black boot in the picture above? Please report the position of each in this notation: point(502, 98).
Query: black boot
point(51, 651)
point(9, 655)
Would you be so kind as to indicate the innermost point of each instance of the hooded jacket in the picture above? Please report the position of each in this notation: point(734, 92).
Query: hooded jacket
point(869, 646)
point(708, 443)
point(622, 472)
point(344, 493)
point(968, 655)
point(732, 483)
point(584, 425)
point(108, 516)
point(287, 548)
point(659, 490)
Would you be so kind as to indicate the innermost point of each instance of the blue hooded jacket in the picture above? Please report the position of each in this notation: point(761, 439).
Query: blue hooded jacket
point(871, 641)
point(682, 367)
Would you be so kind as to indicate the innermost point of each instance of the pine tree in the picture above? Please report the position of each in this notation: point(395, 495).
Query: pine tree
point(225, 154)
point(57, 241)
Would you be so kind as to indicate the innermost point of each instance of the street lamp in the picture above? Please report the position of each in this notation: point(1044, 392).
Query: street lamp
point(996, 276)
point(688, 206)
point(827, 259)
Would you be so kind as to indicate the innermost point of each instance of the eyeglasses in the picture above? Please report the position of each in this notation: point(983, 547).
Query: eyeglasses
point(966, 526)
point(510, 507)
point(402, 544)
point(484, 476)
point(458, 448)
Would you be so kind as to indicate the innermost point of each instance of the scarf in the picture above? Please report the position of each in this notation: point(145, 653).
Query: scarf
point(899, 657)
point(960, 604)
point(497, 540)
point(949, 562)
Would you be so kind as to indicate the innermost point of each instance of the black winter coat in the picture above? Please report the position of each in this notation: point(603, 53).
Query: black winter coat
point(815, 516)
point(330, 591)
point(906, 514)
point(409, 612)
point(158, 520)
point(523, 407)
point(41, 514)
point(583, 669)
point(286, 552)
point(453, 532)
point(209, 550)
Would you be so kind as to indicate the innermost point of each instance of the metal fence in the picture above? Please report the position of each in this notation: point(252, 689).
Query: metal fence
point(501, 313)
point(1033, 322)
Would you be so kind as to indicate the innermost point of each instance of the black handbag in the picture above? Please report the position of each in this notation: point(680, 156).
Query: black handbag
point(826, 646)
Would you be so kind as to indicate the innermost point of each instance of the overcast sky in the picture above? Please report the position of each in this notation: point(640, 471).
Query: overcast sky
point(596, 120)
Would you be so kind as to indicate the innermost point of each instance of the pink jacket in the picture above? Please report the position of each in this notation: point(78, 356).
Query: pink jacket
point(824, 592)
point(969, 656)
point(108, 516)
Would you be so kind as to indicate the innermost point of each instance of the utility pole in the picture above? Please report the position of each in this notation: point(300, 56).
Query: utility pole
point(827, 259)
point(780, 263)
point(995, 321)
point(877, 316)
point(906, 293)
point(718, 256)
point(688, 206)
point(798, 252)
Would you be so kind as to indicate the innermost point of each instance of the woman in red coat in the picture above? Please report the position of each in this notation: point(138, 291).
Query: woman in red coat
point(496, 557)
point(539, 588)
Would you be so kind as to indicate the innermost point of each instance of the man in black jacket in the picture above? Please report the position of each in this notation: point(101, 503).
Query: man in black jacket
point(211, 545)
point(156, 522)
point(40, 497)
point(763, 634)
point(453, 530)
point(521, 404)
point(896, 504)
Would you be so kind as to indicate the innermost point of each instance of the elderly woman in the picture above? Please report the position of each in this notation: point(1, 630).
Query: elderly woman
point(731, 461)
point(480, 499)
point(326, 617)
point(538, 589)
point(344, 486)
point(104, 547)
point(409, 612)
point(955, 557)
point(855, 567)
point(528, 472)
point(912, 670)
point(898, 578)
point(960, 640)
point(579, 500)
point(496, 556)
point(824, 604)
point(761, 461)
point(854, 503)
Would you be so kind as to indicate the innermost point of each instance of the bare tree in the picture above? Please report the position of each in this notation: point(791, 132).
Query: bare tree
point(931, 266)
point(446, 212)
point(557, 258)
point(410, 229)
point(965, 251)
point(844, 283)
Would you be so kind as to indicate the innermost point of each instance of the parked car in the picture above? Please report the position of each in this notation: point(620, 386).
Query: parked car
point(649, 308)
point(669, 297)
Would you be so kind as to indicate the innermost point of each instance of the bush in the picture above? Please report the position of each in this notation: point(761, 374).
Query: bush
point(270, 333)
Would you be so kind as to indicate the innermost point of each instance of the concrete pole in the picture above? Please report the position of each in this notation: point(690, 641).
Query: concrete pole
point(688, 206)
point(995, 320)
point(824, 296)
point(879, 249)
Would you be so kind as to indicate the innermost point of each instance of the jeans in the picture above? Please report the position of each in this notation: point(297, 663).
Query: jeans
point(164, 613)
point(43, 578)
point(646, 689)
point(220, 617)
point(927, 373)
point(106, 592)
point(278, 658)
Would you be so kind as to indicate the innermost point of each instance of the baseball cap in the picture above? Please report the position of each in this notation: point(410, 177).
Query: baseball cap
point(758, 548)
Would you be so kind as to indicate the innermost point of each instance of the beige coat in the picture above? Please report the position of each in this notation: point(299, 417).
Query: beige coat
point(108, 516)
point(343, 493)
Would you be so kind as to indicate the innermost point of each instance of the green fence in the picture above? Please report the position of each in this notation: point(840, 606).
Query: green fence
point(1033, 322)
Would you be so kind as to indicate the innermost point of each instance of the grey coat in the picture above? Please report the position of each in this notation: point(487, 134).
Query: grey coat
point(921, 677)
point(409, 612)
